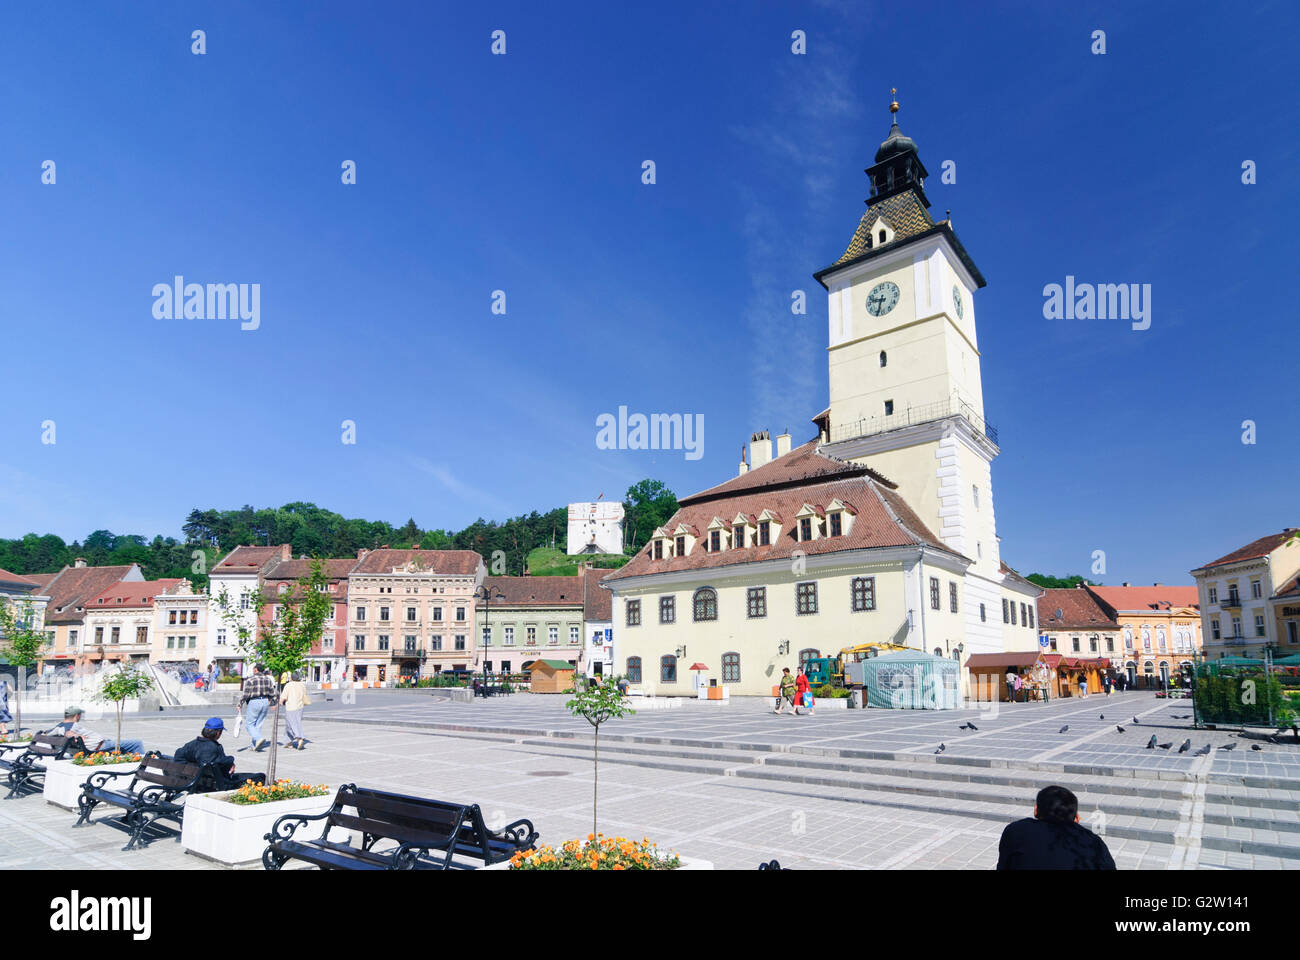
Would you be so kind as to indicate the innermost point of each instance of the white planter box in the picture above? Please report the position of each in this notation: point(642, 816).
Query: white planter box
point(63, 780)
point(234, 833)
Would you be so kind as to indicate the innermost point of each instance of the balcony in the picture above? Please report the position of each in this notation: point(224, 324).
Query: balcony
point(409, 653)
point(1231, 602)
point(925, 413)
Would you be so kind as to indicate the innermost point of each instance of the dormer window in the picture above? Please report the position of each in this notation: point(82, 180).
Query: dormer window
point(764, 533)
point(738, 537)
point(715, 541)
point(882, 236)
point(805, 528)
point(659, 548)
point(836, 525)
point(681, 546)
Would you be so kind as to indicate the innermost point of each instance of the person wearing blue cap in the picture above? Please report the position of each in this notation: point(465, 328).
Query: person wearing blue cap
point(205, 749)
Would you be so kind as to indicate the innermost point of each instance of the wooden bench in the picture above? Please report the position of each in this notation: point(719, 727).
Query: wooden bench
point(28, 767)
point(153, 794)
point(425, 834)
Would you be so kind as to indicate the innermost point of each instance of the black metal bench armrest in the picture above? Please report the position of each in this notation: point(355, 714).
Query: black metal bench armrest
point(296, 819)
point(99, 778)
point(408, 855)
point(4, 747)
point(521, 833)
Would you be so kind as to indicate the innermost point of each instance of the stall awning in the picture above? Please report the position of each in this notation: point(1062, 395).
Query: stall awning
point(986, 662)
point(1053, 660)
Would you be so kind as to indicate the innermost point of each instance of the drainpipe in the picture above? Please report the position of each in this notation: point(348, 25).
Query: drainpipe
point(920, 566)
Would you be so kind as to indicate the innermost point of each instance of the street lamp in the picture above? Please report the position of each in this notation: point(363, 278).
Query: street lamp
point(486, 595)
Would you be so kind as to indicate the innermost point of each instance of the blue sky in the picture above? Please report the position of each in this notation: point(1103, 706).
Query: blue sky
point(523, 173)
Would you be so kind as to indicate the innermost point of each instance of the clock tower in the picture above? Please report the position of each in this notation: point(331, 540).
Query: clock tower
point(905, 391)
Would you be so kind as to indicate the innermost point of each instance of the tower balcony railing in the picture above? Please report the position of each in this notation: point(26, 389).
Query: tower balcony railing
point(1231, 601)
point(911, 416)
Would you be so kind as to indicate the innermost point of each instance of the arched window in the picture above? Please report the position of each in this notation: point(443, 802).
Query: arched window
point(808, 653)
point(706, 604)
point(633, 669)
point(731, 668)
point(938, 651)
point(884, 360)
point(1128, 638)
point(668, 669)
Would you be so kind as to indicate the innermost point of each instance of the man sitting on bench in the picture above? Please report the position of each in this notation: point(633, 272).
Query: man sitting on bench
point(205, 749)
point(71, 727)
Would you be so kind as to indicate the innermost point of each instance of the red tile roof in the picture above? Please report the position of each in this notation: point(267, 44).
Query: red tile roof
point(598, 603)
point(883, 520)
point(443, 563)
point(127, 594)
point(250, 559)
point(298, 569)
point(1289, 589)
point(536, 591)
point(71, 587)
point(1146, 598)
point(1079, 611)
point(18, 579)
point(1256, 548)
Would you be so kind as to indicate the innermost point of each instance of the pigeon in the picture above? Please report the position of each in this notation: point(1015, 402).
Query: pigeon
point(1256, 746)
point(1185, 746)
point(1203, 751)
point(1119, 728)
point(971, 726)
point(942, 747)
point(1135, 720)
point(1229, 746)
point(1165, 746)
point(1064, 728)
point(1102, 717)
point(1152, 742)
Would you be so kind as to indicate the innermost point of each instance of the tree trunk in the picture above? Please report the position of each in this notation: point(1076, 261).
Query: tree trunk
point(595, 776)
point(18, 703)
point(275, 738)
point(118, 741)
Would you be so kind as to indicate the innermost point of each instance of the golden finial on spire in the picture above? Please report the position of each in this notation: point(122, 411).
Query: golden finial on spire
point(893, 98)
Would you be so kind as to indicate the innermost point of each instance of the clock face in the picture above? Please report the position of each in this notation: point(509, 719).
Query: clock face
point(956, 299)
point(882, 298)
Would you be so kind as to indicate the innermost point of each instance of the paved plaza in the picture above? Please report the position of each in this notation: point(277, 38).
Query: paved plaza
point(737, 785)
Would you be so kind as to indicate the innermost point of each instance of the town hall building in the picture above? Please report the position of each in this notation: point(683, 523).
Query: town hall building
point(881, 528)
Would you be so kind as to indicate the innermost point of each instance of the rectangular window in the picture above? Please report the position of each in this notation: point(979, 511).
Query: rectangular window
point(435, 643)
point(1236, 628)
point(934, 593)
point(633, 610)
point(171, 643)
point(731, 668)
point(531, 635)
point(221, 636)
point(460, 641)
point(1005, 619)
point(361, 613)
point(975, 495)
point(552, 635)
point(668, 669)
point(487, 636)
point(681, 546)
point(72, 638)
point(1031, 614)
point(805, 529)
point(141, 634)
point(460, 614)
point(764, 533)
point(410, 614)
point(738, 537)
point(1214, 594)
point(117, 633)
point(410, 643)
point(99, 634)
point(981, 613)
point(244, 601)
point(1024, 616)
point(1292, 632)
point(575, 635)
point(1013, 613)
point(171, 616)
point(889, 408)
point(633, 669)
point(863, 592)
point(952, 596)
point(1110, 644)
point(806, 598)
point(383, 614)
point(437, 614)
point(836, 528)
point(756, 602)
point(659, 549)
point(715, 541)
point(1256, 591)
point(1259, 624)
point(1074, 644)
point(383, 641)
point(327, 643)
point(509, 635)
point(667, 609)
point(358, 642)
point(1092, 644)
point(193, 641)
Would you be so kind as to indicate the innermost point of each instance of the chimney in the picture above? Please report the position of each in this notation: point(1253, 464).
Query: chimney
point(1127, 584)
point(744, 467)
point(1155, 584)
point(760, 449)
point(286, 551)
point(361, 554)
point(79, 562)
point(783, 443)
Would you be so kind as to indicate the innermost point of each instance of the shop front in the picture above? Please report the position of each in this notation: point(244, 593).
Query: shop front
point(987, 676)
point(1074, 674)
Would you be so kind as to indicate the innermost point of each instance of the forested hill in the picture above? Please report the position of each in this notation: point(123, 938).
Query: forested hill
point(316, 532)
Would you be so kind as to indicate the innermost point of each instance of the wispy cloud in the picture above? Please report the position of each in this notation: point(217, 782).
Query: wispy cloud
point(462, 490)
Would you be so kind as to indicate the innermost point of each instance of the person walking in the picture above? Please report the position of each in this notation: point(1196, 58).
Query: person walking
point(1053, 839)
point(258, 694)
point(1106, 682)
point(294, 698)
point(800, 691)
point(213, 675)
point(6, 717)
point(785, 692)
point(1083, 685)
point(1011, 686)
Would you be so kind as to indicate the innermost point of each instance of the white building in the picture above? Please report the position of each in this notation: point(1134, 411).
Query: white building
point(237, 576)
point(1250, 600)
point(595, 528)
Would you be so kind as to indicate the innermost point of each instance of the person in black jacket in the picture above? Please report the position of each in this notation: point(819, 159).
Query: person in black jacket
point(204, 749)
point(1053, 838)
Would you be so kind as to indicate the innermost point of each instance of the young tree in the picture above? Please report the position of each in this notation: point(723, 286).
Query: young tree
point(597, 700)
point(282, 643)
point(21, 641)
point(126, 683)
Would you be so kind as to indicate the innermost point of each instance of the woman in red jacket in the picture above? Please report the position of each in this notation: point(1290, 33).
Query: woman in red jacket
point(801, 690)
